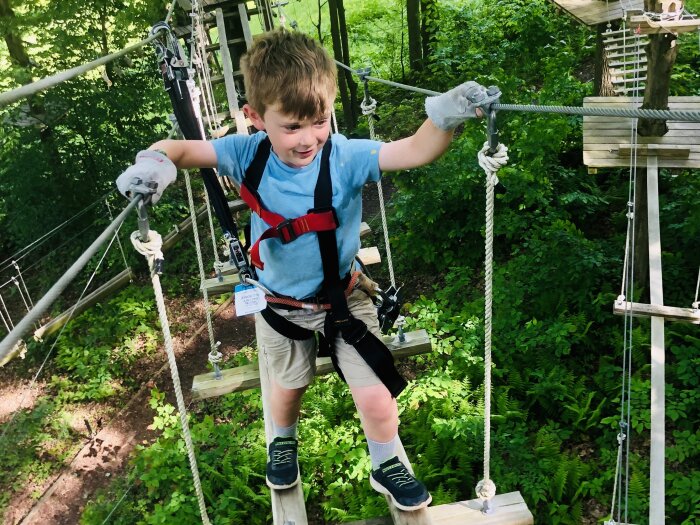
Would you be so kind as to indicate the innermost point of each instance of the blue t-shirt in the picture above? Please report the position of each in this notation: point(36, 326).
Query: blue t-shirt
point(295, 269)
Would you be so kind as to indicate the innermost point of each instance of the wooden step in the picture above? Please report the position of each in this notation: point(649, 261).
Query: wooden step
point(629, 80)
point(631, 56)
point(671, 313)
point(627, 91)
point(622, 72)
point(218, 79)
point(216, 286)
point(246, 377)
point(641, 60)
point(627, 40)
point(633, 45)
point(509, 509)
point(230, 41)
point(369, 256)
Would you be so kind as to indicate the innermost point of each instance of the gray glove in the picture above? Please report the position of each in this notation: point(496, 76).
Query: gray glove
point(150, 166)
point(449, 110)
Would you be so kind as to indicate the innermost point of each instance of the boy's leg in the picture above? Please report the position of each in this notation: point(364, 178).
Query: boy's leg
point(379, 416)
point(292, 366)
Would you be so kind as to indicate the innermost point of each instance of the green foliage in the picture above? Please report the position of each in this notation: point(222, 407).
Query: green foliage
point(35, 446)
point(94, 356)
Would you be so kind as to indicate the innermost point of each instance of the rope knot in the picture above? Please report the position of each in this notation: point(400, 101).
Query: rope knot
point(486, 489)
point(368, 106)
point(492, 163)
point(151, 249)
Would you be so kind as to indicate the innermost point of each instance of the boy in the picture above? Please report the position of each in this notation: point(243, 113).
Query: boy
point(303, 173)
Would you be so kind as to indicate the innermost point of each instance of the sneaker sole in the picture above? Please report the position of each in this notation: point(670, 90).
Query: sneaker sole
point(283, 487)
point(380, 488)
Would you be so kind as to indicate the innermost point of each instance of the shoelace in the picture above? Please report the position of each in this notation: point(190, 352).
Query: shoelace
point(282, 457)
point(401, 478)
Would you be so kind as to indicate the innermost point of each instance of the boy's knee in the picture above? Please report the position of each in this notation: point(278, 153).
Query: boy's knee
point(375, 402)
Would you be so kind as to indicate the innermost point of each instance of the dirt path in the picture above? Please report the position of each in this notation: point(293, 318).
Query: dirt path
point(106, 454)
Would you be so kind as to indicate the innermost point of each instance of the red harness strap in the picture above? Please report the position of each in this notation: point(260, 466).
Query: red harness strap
point(286, 230)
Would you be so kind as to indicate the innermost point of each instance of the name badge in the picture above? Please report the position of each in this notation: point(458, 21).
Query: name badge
point(248, 299)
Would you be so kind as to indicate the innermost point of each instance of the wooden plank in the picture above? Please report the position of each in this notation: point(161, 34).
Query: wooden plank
point(216, 286)
point(671, 313)
point(660, 150)
point(509, 509)
point(287, 505)
point(246, 377)
point(606, 140)
point(364, 229)
point(369, 255)
point(231, 94)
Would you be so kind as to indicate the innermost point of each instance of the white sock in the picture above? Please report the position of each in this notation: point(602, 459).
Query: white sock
point(285, 432)
point(380, 452)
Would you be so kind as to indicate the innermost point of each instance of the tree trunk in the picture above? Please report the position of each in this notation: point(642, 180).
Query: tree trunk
point(413, 23)
point(428, 11)
point(14, 43)
point(352, 85)
point(661, 55)
point(338, 54)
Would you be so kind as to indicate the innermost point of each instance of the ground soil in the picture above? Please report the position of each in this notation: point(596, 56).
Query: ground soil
point(106, 450)
point(123, 424)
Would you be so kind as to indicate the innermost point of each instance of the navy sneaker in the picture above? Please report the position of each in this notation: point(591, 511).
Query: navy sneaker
point(393, 479)
point(282, 466)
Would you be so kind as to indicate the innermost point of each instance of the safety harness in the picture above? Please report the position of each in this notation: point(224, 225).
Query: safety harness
point(322, 220)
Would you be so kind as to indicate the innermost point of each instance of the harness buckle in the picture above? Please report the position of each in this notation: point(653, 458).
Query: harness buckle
point(286, 231)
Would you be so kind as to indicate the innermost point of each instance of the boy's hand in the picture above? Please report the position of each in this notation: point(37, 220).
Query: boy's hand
point(449, 110)
point(150, 166)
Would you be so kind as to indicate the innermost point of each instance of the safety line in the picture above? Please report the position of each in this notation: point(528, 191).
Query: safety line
point(658, 114)
point(48, 299)
point(27, 90)
point(16, 256)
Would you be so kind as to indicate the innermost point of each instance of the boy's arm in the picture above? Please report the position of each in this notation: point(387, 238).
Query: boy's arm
point(156, 168)
point(423, 147)
point(187, 153)
point(445, 113)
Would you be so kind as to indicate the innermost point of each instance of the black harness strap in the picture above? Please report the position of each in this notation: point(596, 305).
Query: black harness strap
point(339, 319)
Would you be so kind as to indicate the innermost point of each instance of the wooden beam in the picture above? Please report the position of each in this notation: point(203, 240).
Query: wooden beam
point(248, 376)
point(646, 26)
point(231, 94)
point(671, 313)
point(673, 151)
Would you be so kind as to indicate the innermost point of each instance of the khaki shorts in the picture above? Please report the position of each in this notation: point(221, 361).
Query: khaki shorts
point(293, 363)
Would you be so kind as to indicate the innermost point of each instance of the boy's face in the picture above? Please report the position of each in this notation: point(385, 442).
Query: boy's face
point(296, 142)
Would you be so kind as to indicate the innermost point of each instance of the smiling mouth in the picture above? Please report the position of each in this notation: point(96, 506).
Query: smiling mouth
point(305, 153)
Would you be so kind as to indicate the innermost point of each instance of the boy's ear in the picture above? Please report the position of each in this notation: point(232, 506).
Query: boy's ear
point(255, 117)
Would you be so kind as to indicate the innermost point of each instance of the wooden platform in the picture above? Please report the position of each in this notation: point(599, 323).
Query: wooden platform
point(248, 376)
point(606, 140)
point(644, 26)
point(594, 12)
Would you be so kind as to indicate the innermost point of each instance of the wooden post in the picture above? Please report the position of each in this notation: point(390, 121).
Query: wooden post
point(657, 459)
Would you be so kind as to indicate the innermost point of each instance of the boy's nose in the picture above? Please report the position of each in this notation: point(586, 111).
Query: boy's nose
point(307, 138)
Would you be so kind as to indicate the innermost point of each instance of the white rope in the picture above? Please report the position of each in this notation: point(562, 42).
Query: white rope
point(21, 293)
point(486, 488)
point(368, 108)
point(214, 355)
point(119, 242)
point(152, 250)
point(696, 303)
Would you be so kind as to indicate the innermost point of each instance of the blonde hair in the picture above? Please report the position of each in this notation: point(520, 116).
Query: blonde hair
point(291, 69)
